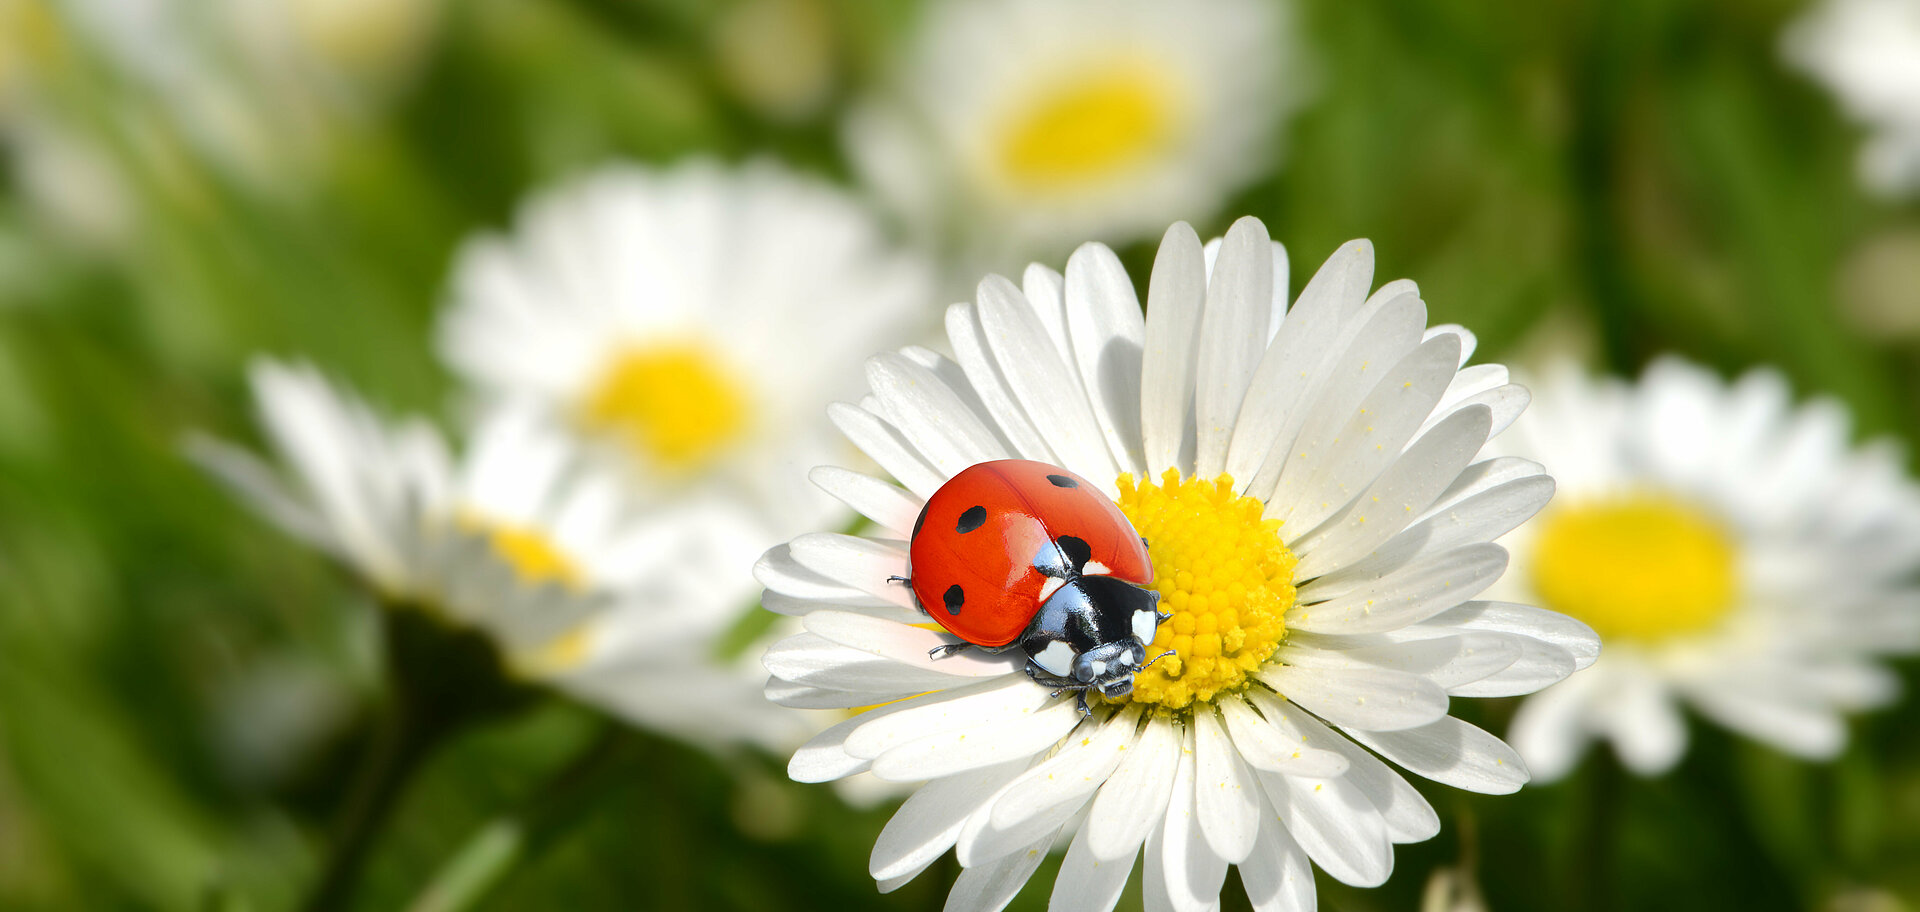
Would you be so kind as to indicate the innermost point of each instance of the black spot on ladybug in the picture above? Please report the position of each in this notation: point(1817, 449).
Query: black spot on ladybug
point(1062, 481)
point(1077, 551)
point(954, 597)
point(921, 520)
point(974, 518)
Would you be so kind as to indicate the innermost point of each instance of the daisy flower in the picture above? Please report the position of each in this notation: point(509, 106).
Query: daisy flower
point(659, 313)
point(1024, 125)
point(1319, 526)
point(1735, 553)
point(1867, 52)
point(516, 541)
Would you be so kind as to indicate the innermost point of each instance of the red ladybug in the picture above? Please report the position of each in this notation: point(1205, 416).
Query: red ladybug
point(1021, 553)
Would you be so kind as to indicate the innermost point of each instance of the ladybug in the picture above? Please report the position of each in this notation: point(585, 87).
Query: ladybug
point(1021, 554)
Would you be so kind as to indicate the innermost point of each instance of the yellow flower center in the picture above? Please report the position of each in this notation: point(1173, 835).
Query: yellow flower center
point(531, 554)
point(1641, 567)
point(674, 404)
point(536, 561)
point(1087, 127)
point(1224, 576)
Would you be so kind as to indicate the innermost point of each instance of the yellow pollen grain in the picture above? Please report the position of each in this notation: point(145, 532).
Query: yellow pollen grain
point(1224, 576)
point(674, 404)
point(1086, 127)
point(1643, 567)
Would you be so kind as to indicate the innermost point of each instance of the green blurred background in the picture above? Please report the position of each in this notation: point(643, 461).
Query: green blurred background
point(180, 690)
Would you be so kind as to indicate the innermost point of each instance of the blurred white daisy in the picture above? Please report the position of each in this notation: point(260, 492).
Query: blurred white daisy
point(517, 541)
point(1735, 553)
point(1018, 127)
point(691, 321)
point(1867, 52)
point(1319, 527)
point(103, 102)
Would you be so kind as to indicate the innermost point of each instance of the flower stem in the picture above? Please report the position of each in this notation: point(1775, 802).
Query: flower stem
point(1599, 833)
point(506, 841)
point(393, 754)
point(442, 680)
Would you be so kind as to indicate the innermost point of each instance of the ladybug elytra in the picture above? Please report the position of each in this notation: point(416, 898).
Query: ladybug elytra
point(1021, 554)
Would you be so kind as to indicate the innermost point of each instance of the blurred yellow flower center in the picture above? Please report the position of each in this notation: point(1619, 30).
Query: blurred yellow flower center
point(30, 41)
point(533, 556)
point(1222, 574)
point(675, 404)
point(536, 561)
point(1642, 567)
point(1086, 128)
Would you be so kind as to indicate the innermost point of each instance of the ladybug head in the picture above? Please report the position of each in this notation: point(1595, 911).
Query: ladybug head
point(1109, 667)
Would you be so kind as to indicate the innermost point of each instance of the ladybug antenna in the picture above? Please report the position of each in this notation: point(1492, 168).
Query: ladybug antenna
point(1156, 659)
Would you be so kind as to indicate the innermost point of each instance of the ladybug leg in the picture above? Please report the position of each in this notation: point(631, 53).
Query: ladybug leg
point(948, 649)
point(1049, 679)
point(1156, 658)
point(1060, 685)
point(901, 580)
point(951, 649)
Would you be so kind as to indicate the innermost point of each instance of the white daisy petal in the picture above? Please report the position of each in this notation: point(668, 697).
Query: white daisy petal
point(1504, 403)
point(1390, 335)
point(806, 696)
point(825, 757)
point(1451, 751)
point(1645, 725)
point(1037, 375)
point(993, 884)
point(970, 347)
point(1271, 413)
point(1193, 872)
point(1229, 347)
point(955, 751)
point(905, 644)
point(1277, 875)
point(1407, 487)
point(929, 821)
point(1127, 806)
point(1336, 825)
point(1813, 732)
point(1550, 729)
point(1407, 815)
point(956, 710)
point(1225, 798)
point(1263, 746)
point(1108, 334)
point(867, 563)
point(893, 507)
point(1378, 699)
point(1408, 596)
point(1480, 516)
point(1086, 882)
point(887, 448)
point(1374, 436)
point(822, 663)
point(1046, 293)
point(1175, 298)
point(1524, 620)
point(1068, 777)
point(945, 432)
point(1448, 661)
